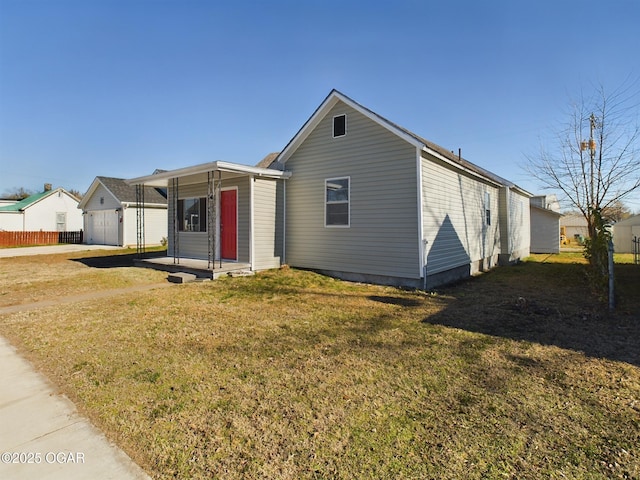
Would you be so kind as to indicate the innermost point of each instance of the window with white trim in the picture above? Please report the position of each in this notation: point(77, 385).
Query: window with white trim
point(487, 208)
point(192, 214)
point(339, 126)
point(337, 202)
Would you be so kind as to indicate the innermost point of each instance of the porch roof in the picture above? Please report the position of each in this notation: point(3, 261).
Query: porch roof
point(227, 170)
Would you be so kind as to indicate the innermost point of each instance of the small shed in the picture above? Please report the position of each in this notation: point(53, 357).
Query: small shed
point(545, 224)
point(109, 211)
point(53, 210)
point(624, 232)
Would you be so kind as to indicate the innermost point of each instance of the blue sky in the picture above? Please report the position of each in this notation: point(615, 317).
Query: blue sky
point(122, 87)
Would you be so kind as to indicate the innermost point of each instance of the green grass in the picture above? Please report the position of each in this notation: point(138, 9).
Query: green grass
point(517, 373)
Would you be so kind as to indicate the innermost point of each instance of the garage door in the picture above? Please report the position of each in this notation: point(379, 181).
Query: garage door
point(102, 227)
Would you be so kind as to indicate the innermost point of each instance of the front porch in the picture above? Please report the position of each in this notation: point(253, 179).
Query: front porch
point(218, 210)
point(200, 268)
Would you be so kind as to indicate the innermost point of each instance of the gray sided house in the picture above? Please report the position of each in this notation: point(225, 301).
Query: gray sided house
point(354, 196)
point(110, 216)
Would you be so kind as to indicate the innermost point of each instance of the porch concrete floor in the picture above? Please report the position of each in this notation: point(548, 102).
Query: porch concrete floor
point(200, 268)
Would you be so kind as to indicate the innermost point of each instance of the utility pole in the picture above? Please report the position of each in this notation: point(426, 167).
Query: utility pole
point(591, 145)
point(592, 152)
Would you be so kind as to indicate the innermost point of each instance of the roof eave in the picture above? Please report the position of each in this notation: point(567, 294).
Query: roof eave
point(162, 179)
point(460, 167)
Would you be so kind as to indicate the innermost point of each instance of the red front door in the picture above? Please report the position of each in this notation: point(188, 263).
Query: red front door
point(229, 224)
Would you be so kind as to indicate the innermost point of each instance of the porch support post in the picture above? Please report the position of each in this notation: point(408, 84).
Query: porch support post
point(211, 220)
point(176, 220)
point(140, 239)
point(218, 243)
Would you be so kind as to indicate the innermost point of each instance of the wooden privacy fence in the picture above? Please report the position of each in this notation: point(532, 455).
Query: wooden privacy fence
point(16, 239)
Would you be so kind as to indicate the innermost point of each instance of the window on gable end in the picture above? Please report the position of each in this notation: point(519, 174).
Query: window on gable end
point(339, 126)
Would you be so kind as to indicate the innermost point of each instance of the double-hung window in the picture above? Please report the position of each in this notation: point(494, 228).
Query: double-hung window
point(192, 214)
point(337, 194)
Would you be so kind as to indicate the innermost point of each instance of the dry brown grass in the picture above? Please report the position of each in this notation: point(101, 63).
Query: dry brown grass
point(289, 374)
point(31, 279)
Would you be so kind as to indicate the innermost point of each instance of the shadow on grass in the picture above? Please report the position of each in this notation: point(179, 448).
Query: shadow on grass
point(530, 304)
point(115, 261)
point(391, 300)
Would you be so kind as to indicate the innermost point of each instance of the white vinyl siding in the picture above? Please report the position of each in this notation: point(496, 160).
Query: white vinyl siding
point(383, 234)
point(545, 231)
point(42, 215)
point(267, 218)
point(624, 233)
point(519, 226)
point(155, 226)
point(454, 219)
point(109, 201)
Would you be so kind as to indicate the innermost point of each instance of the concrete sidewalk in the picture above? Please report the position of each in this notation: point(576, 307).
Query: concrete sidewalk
point(43, 436)
point(52, 249)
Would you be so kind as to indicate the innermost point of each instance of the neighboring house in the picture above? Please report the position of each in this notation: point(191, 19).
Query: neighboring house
point(545, 224)
point(53, 210)
point(573, 226)
point(110, 216)
point(624, 233)
point(354, 196)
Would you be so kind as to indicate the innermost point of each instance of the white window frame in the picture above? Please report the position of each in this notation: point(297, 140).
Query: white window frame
point(487, 209)
point(61, 216)
point(333, 126)
point(348, 201)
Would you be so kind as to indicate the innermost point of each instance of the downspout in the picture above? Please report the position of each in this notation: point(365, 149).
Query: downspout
point(251, 220)
point(284, 223)
point(422, 258)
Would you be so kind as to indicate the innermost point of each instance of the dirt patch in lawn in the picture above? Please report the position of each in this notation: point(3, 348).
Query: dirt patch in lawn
point(293, 375)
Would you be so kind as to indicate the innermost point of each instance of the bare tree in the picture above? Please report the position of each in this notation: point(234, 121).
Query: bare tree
point(76, 193)
point(616, 211)
point(17, 193)
point(595, 158)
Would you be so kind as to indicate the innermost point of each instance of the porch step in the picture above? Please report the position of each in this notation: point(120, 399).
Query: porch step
point(181, 277)
point(241, 273)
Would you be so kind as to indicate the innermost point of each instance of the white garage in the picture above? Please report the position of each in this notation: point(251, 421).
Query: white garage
point(102, 227)
point(624, 232)
point(109, 211)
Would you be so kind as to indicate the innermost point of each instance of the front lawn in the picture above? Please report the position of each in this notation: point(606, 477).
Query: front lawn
point(292, 375)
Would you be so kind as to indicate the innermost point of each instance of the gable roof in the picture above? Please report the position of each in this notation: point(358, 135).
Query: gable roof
point(123, 192)
point(32, 200)
point(545, 210)
point(419, 142)
point(268, 160)
point(633, 220)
